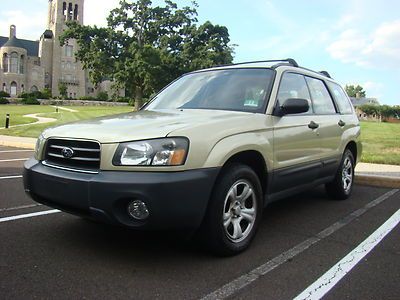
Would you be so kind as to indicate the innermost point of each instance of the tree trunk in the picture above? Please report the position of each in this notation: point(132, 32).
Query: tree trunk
point(138, 97)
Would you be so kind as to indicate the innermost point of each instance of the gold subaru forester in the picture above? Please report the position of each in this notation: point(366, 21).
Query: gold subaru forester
point(207, 153)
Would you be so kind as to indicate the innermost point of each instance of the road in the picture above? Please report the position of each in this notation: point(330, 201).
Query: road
point(61, 256)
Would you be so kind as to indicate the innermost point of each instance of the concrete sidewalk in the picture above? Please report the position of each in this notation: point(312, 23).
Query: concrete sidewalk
point(366, 174)
point(18, 142)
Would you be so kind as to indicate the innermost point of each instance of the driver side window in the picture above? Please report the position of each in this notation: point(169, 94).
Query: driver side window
point(294, 86)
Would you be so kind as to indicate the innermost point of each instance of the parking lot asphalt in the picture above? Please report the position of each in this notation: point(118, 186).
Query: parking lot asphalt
point(61, 256)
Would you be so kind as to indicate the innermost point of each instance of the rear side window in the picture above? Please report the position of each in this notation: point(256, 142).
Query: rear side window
point(293, 86)
point(341, 99)
point(322, 101)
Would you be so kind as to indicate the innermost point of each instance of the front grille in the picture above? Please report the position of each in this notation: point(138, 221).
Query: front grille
point(85, 155)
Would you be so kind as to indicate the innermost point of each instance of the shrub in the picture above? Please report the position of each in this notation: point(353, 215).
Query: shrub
point(30, 101)
point(46, 94)
point(4, 94)
point(123, 99)
point(88, 98)
point(3, 101)
point(102, 96)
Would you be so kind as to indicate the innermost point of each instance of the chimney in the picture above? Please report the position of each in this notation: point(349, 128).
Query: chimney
point(358, 95)
point(13, 31)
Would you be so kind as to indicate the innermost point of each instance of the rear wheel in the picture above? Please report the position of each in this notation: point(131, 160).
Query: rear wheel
point(234, 211)
point(341, 187)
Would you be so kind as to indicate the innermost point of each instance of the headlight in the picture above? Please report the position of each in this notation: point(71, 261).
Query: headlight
point(157, 152)
point(39, 143)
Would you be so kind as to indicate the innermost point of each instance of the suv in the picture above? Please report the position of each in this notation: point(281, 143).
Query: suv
point(209, 152)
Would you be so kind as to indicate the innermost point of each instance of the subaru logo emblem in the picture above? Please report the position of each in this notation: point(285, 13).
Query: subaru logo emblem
point(67, 152)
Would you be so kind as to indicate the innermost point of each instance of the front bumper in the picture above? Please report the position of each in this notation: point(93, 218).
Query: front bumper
point(174, 199)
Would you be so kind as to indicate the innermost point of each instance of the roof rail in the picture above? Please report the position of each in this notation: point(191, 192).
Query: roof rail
point(325, 73)
point(290, 61)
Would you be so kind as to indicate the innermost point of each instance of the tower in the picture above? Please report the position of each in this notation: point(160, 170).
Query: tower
point(64, 68)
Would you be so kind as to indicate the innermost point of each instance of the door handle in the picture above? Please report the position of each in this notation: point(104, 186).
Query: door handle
point(313, 125)
point(341, 123)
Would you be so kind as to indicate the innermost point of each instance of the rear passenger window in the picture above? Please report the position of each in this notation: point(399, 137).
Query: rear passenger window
point(322, 101)
point(293, 86)
point(341, 99)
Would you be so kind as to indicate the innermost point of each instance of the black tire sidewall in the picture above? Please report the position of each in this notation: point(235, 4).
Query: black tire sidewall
point(214, 226)
point(335, 188)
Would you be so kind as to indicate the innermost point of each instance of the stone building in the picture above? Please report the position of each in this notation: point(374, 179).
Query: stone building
point(359, 102)
point(28, 66)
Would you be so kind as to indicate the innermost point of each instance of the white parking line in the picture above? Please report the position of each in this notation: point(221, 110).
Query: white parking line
point(24, 216)
point(327, 281)
point(12, 151)
point(242, 281)
point(11, 177)
point(19, 207)
point(15, 159)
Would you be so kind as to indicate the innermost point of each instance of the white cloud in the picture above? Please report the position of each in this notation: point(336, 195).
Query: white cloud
point(96, 14)
point(379, 48)
point(29, 25)
point(373, 89)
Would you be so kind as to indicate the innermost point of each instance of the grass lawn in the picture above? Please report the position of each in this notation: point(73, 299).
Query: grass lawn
point(381, 142)
point(17, 111)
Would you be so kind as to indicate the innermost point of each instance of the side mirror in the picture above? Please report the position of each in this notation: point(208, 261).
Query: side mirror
point(294, 106)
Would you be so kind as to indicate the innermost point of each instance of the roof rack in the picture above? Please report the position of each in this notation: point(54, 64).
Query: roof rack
point(325, 73)
point(290, 61)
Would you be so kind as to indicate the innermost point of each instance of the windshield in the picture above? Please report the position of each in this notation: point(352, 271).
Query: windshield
point(229, 89)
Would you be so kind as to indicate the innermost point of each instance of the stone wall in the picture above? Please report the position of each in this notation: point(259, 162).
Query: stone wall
point(70, 102)
point(81, 103)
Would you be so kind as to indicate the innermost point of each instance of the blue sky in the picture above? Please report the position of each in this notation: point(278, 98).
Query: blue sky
point(358, 42)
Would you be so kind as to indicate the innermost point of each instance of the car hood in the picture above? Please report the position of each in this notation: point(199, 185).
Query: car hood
point(143, 124)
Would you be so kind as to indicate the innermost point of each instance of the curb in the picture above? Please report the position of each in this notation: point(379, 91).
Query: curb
point(378, 181)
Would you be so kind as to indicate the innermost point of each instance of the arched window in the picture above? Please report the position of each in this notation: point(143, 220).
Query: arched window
point(22, 88)
point(70, 13)
point(14, 62)
point(34, 89)
point(65, 10)
point(76, 12)
point(21, 65)
point(13, 89)
point(5, 62)
point(4, 87)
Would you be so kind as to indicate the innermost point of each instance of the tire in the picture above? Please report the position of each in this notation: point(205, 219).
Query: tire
point(234, 211)
point(341, 187)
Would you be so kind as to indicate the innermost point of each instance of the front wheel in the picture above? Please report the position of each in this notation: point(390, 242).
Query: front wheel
point(234, 211)
point(341, 187)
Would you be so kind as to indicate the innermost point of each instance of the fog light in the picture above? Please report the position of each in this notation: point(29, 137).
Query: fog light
point(137, 209)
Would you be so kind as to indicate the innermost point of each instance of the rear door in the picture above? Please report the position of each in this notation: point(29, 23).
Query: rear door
point(328, 121)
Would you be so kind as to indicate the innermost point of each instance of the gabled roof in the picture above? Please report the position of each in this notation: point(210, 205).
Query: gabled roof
point(363, 101)
point(32, 47)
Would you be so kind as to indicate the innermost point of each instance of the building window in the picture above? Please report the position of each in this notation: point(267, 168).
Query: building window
point(76, 12)
point(69, 51)
point(4, 87)
point(70, 11)
point(14, 62)
point(5, 62)
point(65, 10)
point(21, 65)
point(22, 88)
point(34, 88)
point(13, 89)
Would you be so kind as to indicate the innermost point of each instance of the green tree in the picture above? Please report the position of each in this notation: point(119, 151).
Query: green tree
point(62, 89)
point(352, 91)
point(370, 109)
point(144, 47)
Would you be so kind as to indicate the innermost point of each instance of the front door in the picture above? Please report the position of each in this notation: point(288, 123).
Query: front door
point(296, 141)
